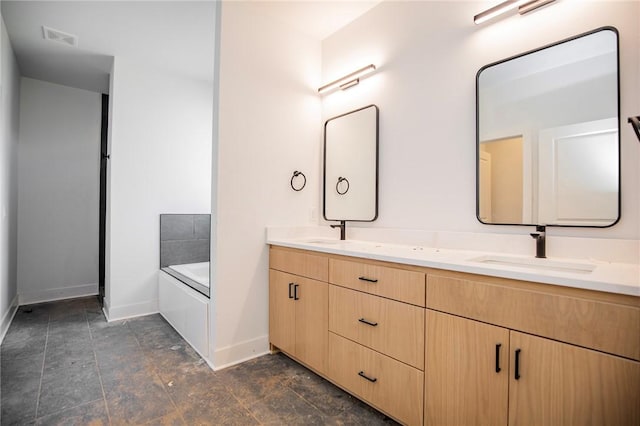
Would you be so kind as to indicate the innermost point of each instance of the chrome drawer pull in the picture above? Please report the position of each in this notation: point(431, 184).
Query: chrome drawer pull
point(364, 376)
point(364, 321)
point(369, 280)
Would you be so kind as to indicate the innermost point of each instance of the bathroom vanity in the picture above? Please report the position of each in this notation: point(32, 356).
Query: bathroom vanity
point(426, 340)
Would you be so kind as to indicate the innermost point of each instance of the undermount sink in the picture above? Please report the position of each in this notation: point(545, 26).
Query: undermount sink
point(321, 241)
point(535, 263)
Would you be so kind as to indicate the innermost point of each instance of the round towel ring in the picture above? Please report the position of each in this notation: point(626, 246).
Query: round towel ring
point(304, 182)
point(342, 179)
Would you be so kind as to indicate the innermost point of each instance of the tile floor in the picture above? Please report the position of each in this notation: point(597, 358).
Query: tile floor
point(63, 364)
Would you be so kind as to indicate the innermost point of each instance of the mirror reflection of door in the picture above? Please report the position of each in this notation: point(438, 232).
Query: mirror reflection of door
point(501, 180)
point(551, 99)
point(581, 186)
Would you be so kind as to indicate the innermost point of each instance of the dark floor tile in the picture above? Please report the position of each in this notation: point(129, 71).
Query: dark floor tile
point(26, 331)
point(148, 322)
point(285, 407)
point(116, 332)
point(169, 372)
point(68, 317)
point(24, 348)
point(160, 338)
point(68, 387)
point(151, 376)
point(130, 379)
point(67, 312)
point(20, 374)
point(67, 356)
point(172, 419)
point(255, 379)
point(96, 319)
point(216, 412)
point(361, 414)
point(143, 400)
point(93, 413)
point(18, 406)
point(119, 356)
point(183, 388)
point(329, 399)
point(70, 327)
point(69, 339)
point(174, 360)
point(37, 313)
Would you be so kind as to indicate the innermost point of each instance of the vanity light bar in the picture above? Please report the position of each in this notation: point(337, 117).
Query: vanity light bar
point(348, 80)
point(533, 5)
point(503, 7)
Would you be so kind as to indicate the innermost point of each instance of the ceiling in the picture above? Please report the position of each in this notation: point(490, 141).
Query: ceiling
point(173, 35)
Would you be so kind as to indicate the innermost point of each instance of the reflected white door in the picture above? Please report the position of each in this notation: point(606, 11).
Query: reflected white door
point(578, 178)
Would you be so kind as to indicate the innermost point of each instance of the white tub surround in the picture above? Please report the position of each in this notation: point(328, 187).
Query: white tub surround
point(194, 275)
point(198, 272)
point(186, 310)
point(503, 257)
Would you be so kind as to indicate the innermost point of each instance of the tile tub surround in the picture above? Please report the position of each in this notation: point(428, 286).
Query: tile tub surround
point(62, 363)
point(184, 238)
point(423, 249)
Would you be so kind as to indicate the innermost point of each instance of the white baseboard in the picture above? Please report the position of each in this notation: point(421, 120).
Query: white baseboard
point(27, 298)
point(115, 313)
point(8, 317)
point(241, 352)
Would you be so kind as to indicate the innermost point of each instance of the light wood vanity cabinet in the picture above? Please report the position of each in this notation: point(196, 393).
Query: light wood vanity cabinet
point(466, 378)
point(298, 311)
point(376, 344)
point(479, 373)
point(437, 347)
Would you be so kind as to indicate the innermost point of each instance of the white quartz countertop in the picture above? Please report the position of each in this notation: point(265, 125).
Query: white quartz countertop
point(622, 278)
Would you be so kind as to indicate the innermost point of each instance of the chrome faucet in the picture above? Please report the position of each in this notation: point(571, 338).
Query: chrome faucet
point(343, 228)
point(540, 237)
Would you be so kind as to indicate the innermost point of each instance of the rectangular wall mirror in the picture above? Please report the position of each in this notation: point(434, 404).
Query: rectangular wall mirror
point(351, 166)
point(548, 144)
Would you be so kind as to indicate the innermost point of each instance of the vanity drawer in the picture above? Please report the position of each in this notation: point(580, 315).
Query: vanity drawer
point(299, 263)
point(397, 389)
point(604, 326)
point(393, 283)
point(393, 328)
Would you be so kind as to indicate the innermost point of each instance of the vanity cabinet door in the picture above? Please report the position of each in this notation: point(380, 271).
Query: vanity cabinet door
point(282, 311)
point(466, 372)
point(556, 383)
point(312, 323)
point(298, 317)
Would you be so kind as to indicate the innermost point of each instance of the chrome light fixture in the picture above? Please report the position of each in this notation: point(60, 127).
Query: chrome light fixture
point(348, 80)
point(524, 6)
point(533, 5)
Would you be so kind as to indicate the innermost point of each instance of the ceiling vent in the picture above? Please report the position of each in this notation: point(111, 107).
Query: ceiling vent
point(59, 36)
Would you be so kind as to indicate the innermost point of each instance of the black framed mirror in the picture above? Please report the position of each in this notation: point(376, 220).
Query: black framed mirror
point(548, 135)
point(351, 166)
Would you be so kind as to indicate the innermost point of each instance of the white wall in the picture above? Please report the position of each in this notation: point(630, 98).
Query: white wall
point(160, 145)
point(9, 123)
point(58, 191)
point(427, 55)
point(269, 126)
